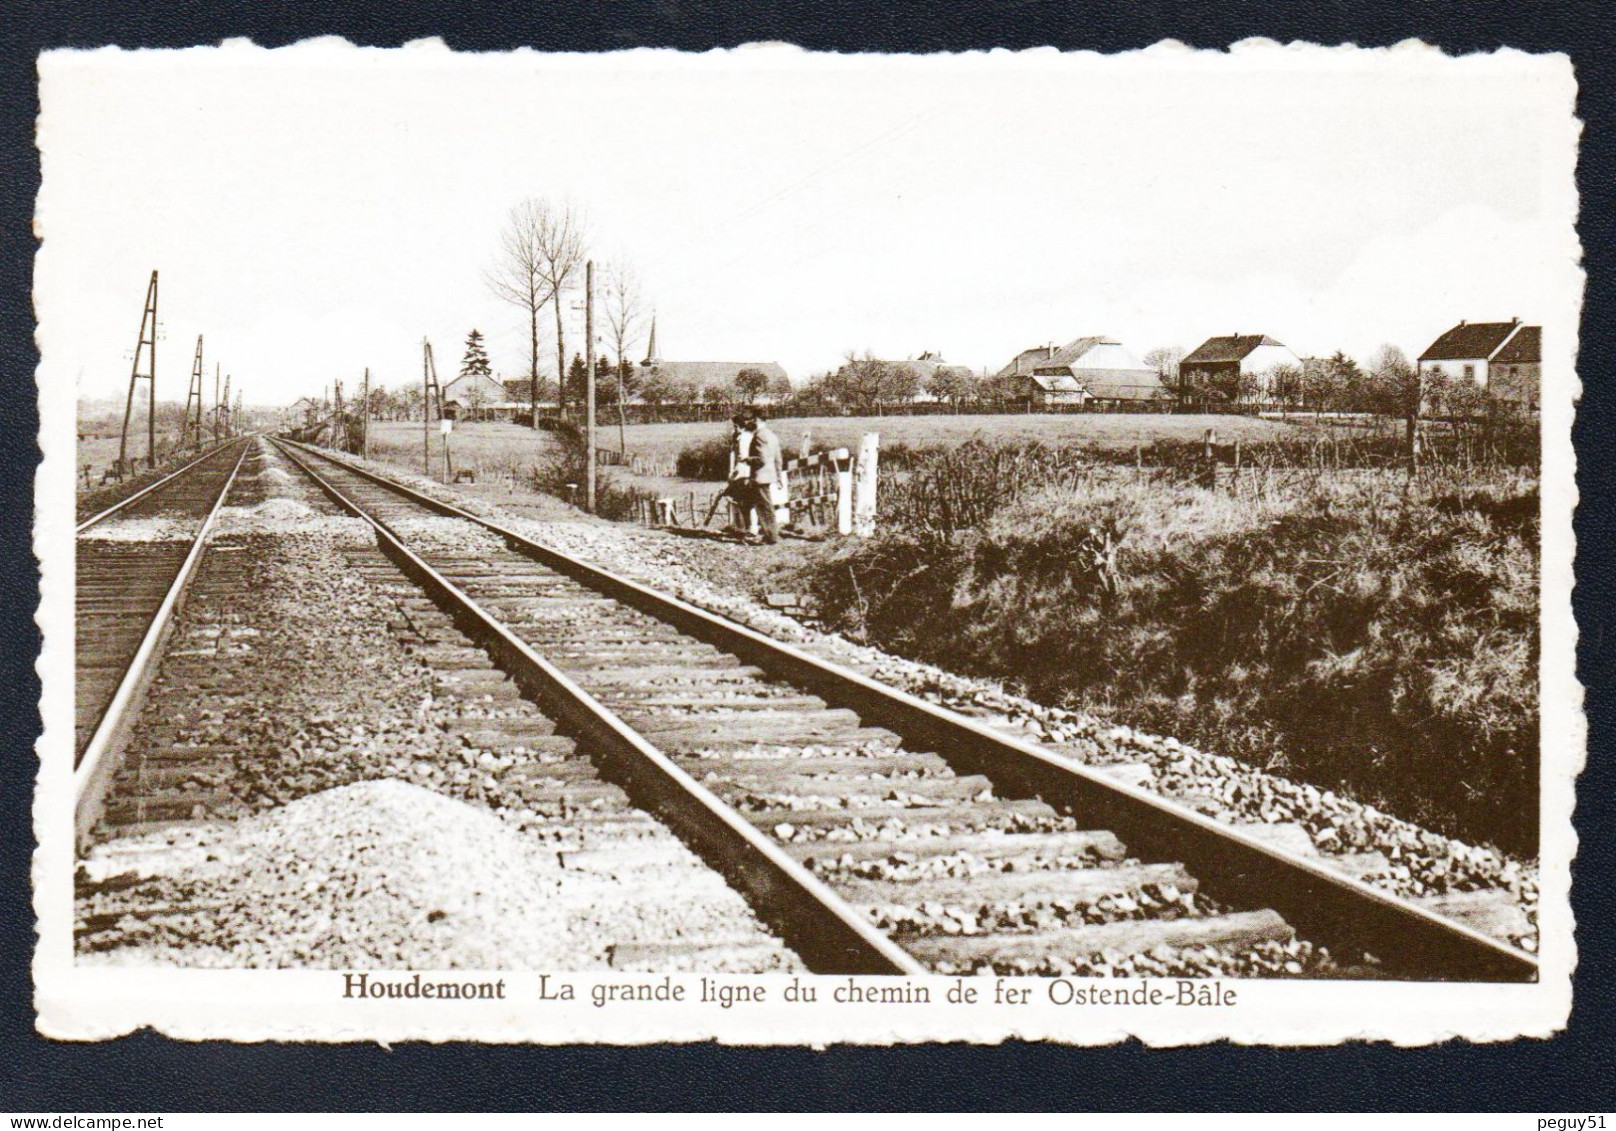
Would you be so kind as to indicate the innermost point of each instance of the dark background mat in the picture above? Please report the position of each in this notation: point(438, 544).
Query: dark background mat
point(1571, 1074)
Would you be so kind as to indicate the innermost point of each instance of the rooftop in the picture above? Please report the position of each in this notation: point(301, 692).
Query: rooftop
point(1470, 340)
point(1234, 347)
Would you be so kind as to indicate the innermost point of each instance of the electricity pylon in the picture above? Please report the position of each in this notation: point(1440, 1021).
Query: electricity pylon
point(191, 433)
point(148, 342)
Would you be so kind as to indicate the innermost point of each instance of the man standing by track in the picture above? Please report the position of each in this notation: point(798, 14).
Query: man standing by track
point(756, 492)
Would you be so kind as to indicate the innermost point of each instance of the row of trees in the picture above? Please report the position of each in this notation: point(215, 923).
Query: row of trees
point(865, 382)
point(1389, 385)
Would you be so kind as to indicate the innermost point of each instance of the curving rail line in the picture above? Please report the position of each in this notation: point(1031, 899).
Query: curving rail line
point(730, 736)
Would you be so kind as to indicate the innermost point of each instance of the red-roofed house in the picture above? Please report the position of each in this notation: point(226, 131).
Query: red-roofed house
point(1505, 358)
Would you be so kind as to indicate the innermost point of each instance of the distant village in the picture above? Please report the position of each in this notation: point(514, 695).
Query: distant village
point(1468, 368)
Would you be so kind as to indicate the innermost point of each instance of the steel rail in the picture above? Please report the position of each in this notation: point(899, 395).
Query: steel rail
point(1350, 917)
point(150, 487)
point(102, 754)
point(828, 934)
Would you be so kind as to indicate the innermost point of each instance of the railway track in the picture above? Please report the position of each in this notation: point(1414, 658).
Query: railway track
point(126, 593)
point(877, 832)
point(248, 712)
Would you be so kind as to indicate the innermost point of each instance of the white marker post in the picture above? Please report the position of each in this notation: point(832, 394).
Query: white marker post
point(864, 477)
point(844, 491)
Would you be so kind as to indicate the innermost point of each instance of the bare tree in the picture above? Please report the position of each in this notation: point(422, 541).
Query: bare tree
point(1407, 389)
point(1164, 360)
point(541, 250)
point(518, 277)
point(562, 246)
point(625, 315)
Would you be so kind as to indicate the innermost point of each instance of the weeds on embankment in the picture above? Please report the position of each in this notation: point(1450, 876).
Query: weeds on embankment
point(563, 471)
point(1363, 630)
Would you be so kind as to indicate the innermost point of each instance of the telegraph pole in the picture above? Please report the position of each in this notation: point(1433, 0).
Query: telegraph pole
point(225, 409)
point(430, 394)
point(589, 387)
point(364, 428)
point(218, 413)
point(147, 340)
point(191, 430)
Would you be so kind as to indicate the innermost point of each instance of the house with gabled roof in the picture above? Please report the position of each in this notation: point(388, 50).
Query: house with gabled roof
point(1085, 369)
point(1236, 361)
point(1505, 358)
point(475, 395)
point(714, 377)
point(305, 411)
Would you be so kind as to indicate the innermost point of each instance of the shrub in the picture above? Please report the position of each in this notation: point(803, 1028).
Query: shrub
point(1363, 633)
point(707, 459)
point(563, 472)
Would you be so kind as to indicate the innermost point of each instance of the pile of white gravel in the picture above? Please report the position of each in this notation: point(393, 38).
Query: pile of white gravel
point(157, 528)
point(387, 874)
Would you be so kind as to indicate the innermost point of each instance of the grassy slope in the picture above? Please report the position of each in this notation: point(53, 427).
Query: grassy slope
point(1346, 633)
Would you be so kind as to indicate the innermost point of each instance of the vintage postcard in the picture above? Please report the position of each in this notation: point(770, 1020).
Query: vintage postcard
point(793, 548)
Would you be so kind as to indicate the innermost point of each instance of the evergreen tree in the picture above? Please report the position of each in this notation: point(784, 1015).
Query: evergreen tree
point(475, 361)
point(577, 379)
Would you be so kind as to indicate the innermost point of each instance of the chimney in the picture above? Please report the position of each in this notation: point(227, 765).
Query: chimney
point(1461, 321)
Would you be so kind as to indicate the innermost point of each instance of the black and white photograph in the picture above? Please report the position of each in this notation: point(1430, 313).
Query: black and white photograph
point(800, 548)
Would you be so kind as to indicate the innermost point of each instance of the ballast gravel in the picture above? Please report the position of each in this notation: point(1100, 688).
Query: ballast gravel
point(365, 811)
point(388, 874)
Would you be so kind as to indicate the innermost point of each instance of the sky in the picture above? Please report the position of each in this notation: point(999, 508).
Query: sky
point(317, 210)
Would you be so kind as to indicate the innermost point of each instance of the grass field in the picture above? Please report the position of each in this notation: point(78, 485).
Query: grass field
point(99, 452)
point(663, 442)
point(497, 448)
point(492, 447)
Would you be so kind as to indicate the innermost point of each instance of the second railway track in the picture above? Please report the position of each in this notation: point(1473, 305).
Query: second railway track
point(876, 832)
point(133, 562)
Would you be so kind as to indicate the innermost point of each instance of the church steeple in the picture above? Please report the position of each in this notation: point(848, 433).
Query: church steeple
point(651, 356)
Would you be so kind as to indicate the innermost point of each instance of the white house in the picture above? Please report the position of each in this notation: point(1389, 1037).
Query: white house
point(1473, 349)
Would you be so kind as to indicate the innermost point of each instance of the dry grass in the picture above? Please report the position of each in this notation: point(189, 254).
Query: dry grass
point(495, 449)
point(1359, 632)
point(664, 442)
